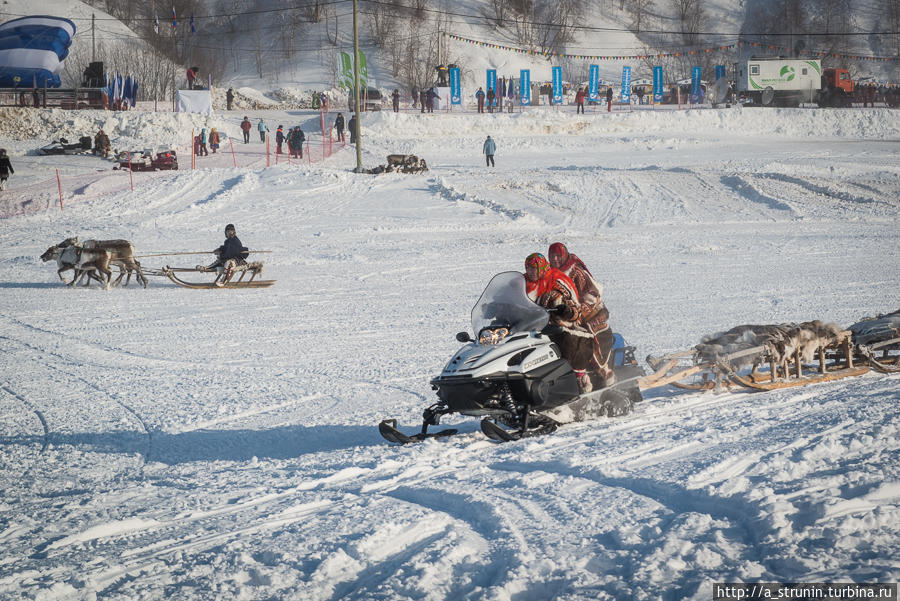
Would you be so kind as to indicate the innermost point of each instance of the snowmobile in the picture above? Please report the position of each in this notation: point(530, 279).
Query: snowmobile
point(512, 374)
point(63, 146)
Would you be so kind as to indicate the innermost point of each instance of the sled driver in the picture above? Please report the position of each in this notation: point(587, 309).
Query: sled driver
point(556, 292)
point(594, 314)
point(230, 255)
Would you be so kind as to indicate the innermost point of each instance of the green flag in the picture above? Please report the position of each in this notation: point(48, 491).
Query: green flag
point(346, 71)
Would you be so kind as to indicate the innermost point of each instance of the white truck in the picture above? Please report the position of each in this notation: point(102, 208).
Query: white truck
point(778, 81)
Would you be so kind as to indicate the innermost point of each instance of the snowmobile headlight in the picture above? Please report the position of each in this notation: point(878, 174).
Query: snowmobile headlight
point(492, 336)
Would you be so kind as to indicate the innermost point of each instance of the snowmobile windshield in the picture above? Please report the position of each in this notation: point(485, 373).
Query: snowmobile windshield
point(504, 303)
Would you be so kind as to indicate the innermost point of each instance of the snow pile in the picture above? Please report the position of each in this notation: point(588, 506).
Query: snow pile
point(126, 129)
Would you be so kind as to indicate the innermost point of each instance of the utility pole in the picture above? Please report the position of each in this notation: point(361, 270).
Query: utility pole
point(359, 166)
point(93, 42)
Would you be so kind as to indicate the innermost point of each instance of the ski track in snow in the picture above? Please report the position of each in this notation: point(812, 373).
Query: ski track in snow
point(172, 443)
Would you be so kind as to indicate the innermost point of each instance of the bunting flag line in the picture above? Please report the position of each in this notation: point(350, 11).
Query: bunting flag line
point(661, 54)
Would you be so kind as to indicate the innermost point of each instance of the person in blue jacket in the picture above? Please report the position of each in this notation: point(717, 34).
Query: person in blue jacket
point(230, 255)
point(490, 147)
point(263, 130)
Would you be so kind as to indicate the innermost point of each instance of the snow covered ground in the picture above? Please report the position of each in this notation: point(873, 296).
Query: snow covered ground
point(196, 445)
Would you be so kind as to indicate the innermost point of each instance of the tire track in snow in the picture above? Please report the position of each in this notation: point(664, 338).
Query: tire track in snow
point(46, 430)
point(129, 410)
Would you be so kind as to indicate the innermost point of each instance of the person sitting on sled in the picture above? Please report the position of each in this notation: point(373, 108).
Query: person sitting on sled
point(556, 292)
point(594, 314)
point(229, 256)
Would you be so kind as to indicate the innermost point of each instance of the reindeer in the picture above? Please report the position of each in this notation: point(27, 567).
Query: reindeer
point(121, 254)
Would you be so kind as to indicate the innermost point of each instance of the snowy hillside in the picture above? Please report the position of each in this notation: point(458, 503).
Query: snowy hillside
point(276, 52)
point(222, 444)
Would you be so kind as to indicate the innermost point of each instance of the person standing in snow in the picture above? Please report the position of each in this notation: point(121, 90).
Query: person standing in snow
point(323, 101)
point(579, 101)
point(490, 99)
point(395, 100)
point(203, 140)
point(214, 140)
point(352, 127)
point(6, 168)
point(263, 130)
point(415, 96)
point(297, 137)
point(556, 292)
point(101, 144)
point(609, 97)
point(593, 311)
point(339, 126)
point(430, 97)
point(245, 127)
point(423, 95)
point(191, 76)
point(479, 96)
point(279, 139)
point(490, 147)
point(229, 98)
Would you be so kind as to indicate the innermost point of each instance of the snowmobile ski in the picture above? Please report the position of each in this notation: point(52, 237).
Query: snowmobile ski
point(388, 429)
point(493, 431)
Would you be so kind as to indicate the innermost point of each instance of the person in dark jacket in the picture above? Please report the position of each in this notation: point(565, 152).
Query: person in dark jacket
point(479, 96)
point(339, 126)
point(228, 256)
point(491, 95)
point(423, 95)
point(395, 99)
point(415, 96)
point(430, 97)
point(352, 127)
point(279, 139)
point(6, 168)
point(245, 127)
point(297, 137)
point(609, 96)
point(101, 144)
point(229, 98)
point(579, 101)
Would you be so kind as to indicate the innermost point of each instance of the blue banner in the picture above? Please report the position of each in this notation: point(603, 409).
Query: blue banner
point(593, 83)
point(455, 92)
point(720, 72)
point(695, 85)
point(557, 85)
point(657, 84)
point(525, 86)
point(626, 84)
point(491, 84)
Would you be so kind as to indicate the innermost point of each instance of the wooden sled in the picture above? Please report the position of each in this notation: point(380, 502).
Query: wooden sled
point(769, 371)
point(254, 269)
point(881, 356)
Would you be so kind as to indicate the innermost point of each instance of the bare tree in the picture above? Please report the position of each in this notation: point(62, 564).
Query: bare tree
point(640, 10)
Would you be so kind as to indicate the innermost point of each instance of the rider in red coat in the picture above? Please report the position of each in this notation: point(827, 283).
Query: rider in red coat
point(555, 291)
point(593, 311)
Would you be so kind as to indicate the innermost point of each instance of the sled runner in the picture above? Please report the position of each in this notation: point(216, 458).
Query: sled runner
point(254, 268)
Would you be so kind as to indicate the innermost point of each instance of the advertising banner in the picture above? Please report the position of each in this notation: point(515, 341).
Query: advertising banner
point(720, 72)
point(594, 83)
point(695, 85)
point(525, 86)
point(626, 84)
point(455, 91)
point(557, 85)
point(657, 84)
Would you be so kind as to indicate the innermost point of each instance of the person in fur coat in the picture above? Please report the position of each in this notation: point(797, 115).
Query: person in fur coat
point(593, 311)
point(556, 292)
